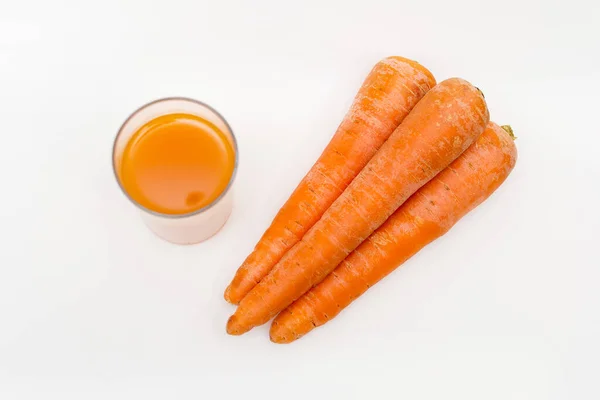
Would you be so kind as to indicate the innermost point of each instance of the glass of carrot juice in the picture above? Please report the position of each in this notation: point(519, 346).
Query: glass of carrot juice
point(176, 160)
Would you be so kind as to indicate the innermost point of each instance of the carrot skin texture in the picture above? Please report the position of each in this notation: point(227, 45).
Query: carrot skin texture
point(426, 216)
point(437, 131)
point(390, 91)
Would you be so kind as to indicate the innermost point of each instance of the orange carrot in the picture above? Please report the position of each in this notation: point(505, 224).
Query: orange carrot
point(390, 91)
point(426, 216)
point(440, 127)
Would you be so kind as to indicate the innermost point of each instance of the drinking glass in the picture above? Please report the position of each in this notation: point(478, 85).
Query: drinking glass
point(195, 226)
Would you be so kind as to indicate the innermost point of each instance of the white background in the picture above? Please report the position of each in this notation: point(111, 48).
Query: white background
point(92, 305)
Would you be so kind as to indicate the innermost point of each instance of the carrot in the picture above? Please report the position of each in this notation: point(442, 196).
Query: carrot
point(426, 216)
point(390, 91)
point(440, 127)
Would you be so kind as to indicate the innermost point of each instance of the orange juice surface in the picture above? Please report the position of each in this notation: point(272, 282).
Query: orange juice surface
point(177, 163)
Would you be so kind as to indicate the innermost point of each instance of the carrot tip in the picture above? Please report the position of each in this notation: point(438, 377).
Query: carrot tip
point(280, 334)
point(227, 296)
point(234, 327)
point(279, 339)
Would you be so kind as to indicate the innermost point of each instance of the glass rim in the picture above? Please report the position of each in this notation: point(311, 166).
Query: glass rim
point(191, 213)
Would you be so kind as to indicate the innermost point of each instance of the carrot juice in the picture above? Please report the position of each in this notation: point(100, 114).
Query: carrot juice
point(177, 163)
point(176, 159)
